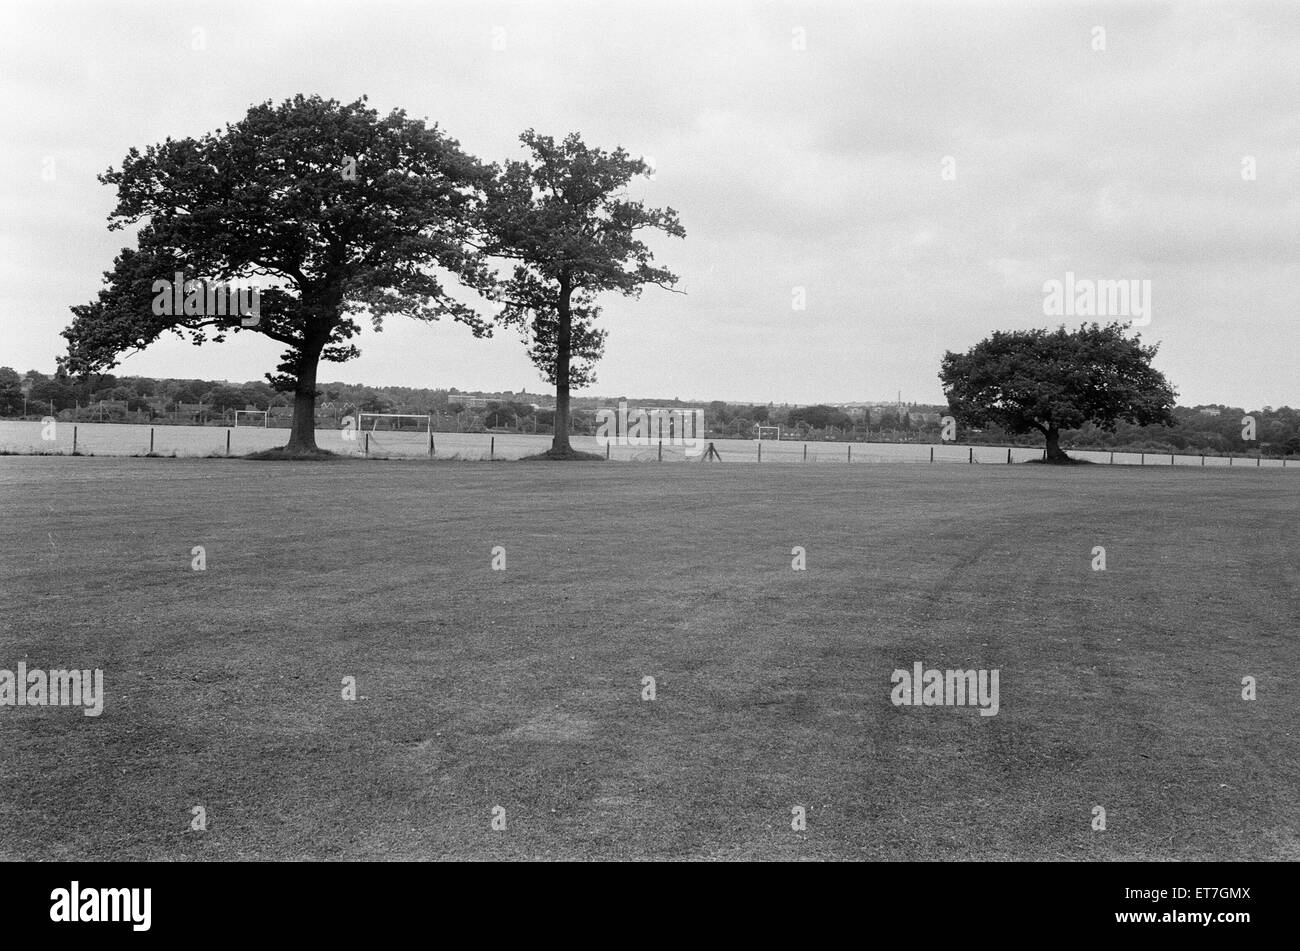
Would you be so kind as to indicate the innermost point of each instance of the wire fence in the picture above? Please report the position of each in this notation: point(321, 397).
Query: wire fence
point(118, 439)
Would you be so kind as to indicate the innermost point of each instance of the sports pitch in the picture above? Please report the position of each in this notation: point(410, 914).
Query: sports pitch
point(523, 688)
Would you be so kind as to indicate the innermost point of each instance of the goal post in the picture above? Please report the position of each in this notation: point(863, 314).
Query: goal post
point(395, 422)
point(374, 429)
point(265, 414)
point(767, 432)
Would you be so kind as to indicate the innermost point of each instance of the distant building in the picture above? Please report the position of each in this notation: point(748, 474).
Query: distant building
point(1211, 411)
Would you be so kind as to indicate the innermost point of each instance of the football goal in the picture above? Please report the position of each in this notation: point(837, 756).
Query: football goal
point(245, 413)
point(768, 432)
point(394, 422)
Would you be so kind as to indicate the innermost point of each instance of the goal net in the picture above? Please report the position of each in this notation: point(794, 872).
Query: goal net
point(242, 417)
point(768, 432)
point(394, 422)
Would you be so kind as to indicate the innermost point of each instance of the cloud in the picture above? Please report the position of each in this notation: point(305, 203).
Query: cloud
point(802, 144)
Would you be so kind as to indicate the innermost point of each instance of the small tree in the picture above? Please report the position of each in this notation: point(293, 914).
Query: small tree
point(1053, 380)
point(52, 394)
point(344, 211)
point(562, 218)
point(11, 392)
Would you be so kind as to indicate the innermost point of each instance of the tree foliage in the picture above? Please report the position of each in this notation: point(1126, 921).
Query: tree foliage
point(1050, 380)
point(562, 217)
point(818, 417)
point(11, 392)
point(339, 211)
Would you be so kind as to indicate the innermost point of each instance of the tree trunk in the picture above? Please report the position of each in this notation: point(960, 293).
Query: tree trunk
point(302, 437)
point(560, 441)
point(1054, 451)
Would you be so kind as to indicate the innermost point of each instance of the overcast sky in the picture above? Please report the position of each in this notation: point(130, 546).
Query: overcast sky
point(802, 144)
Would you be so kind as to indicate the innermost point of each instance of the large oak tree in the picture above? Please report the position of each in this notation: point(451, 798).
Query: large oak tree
point(341, 211)
point(1050, 380)
point(562, 217)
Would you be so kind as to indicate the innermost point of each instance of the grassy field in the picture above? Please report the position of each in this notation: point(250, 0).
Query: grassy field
point(522, 688)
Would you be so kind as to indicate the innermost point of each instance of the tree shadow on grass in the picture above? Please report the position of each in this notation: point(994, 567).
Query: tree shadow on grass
point(564, 455)
point(284, 454)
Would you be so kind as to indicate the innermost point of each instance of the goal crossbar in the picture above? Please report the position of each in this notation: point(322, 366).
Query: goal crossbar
point(376, 417)
point(265, 414)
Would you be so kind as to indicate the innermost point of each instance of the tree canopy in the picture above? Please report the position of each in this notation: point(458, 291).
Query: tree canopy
point(562, 218)
point(340, 211)
point(1049, 380)
point(818, 417)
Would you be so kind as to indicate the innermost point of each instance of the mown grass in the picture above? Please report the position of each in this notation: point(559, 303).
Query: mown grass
point(522, 688)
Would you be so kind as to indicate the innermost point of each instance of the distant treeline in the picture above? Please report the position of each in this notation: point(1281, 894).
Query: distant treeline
point(132, 398)
point(135, 399)
point(1200, 429)
point(1213, 429)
